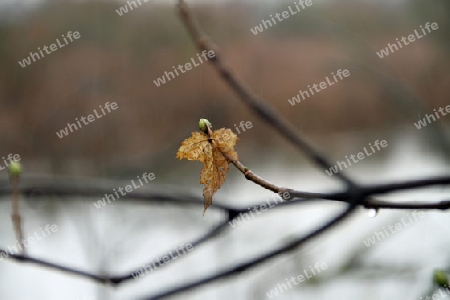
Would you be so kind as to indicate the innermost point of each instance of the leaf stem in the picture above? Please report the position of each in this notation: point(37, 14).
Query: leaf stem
point(249, 175)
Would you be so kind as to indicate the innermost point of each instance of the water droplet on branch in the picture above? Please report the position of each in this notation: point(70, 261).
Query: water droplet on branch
point(372, 213)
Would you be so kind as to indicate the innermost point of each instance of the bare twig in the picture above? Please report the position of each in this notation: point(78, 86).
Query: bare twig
point(247, 173)
point(98, 188)
point(257, 105)
point(15, 215)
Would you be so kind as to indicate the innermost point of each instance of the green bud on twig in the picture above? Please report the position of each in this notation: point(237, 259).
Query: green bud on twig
point(440, 277)
point(14, 169)
point(203, 125)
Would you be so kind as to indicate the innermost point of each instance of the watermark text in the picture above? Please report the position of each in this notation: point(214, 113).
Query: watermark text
point(356, 158)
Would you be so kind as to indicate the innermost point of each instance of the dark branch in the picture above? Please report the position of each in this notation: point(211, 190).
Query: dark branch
point(261, 108)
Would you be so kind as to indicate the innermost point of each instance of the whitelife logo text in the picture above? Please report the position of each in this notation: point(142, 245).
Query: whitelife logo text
point(34, 55)
point(391, 48)
point(90, 118)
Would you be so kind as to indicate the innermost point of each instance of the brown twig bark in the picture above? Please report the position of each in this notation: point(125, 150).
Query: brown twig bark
point(15, 215)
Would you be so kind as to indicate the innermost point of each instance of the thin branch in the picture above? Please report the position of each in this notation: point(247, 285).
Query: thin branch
point(247, 173)
point(377, 204)
point(54, 266)
point(215, 231)
point(15, 215)
point(252, 101)
point(98, 188)
point(377, 189)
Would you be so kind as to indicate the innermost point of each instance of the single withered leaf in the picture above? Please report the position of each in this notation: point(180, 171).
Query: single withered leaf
point(209, 151)
point(213, 175)
point(226, 140)
point(193, 148)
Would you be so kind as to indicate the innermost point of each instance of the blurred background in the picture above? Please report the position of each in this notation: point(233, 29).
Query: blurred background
point(118, 57)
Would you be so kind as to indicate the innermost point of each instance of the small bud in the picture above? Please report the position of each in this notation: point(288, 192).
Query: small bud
point(14, 169)
point(440, 277)
point(202, 125)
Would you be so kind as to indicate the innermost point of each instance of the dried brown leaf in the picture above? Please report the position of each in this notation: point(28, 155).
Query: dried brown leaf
point(209, 151)
point(193, 148)
point(226, 140)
